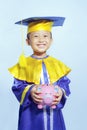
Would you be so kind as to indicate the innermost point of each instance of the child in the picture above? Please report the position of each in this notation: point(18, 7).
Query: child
point(40, 68)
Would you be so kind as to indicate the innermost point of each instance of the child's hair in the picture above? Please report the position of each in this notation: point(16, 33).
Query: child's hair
point(29, 35)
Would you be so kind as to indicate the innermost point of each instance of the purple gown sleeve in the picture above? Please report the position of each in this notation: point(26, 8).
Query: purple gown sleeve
point(64, 84)
point(18, 88)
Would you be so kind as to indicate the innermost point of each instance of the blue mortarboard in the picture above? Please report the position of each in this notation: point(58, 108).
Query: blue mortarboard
point(57, 21)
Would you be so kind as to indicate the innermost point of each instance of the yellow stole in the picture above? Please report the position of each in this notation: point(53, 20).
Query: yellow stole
point(31, 72)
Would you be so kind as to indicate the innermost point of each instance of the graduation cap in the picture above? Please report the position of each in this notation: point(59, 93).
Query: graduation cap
point(41, 23)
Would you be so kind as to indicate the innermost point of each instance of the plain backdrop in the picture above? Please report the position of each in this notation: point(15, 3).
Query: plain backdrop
point(69, 45)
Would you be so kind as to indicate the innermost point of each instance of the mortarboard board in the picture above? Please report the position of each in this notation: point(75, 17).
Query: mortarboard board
point(46, 22)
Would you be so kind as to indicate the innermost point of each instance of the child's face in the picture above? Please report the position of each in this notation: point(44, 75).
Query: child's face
point(40, 41)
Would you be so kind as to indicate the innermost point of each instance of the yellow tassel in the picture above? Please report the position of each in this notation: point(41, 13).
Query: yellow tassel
point(22, 60)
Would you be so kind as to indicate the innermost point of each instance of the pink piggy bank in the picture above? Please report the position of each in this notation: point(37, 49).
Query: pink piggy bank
point(47, 94)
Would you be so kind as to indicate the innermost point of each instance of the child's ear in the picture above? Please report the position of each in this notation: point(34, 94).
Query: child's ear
point(51, 41)
point(27, 41)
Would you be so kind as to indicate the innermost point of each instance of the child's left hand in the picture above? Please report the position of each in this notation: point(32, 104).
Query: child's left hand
point(58, 96)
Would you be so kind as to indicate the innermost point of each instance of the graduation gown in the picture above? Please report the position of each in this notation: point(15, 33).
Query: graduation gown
point(30, 117)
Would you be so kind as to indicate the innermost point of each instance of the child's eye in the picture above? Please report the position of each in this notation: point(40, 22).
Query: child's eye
point(45, 35)
point(35, 35)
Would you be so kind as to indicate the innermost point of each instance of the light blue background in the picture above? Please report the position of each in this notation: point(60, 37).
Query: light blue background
point(69, 45)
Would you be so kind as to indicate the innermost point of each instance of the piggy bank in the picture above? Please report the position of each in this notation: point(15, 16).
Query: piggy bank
point(47, 92)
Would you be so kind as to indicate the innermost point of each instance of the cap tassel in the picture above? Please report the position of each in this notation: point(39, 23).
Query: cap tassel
point(22, 58)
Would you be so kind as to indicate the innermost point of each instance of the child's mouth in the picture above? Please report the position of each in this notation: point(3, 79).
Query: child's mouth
point(41, 45)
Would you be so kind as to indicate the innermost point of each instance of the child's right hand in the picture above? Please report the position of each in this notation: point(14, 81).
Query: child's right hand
point(34, 94)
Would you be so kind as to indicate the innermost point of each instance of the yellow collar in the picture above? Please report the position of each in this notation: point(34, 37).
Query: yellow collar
point(31, 72)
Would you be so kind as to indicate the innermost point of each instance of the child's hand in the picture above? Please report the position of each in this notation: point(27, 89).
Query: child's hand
point(58, 96)
point(34, 94)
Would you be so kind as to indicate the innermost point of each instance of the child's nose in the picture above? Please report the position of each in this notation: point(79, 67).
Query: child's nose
point(41, 38)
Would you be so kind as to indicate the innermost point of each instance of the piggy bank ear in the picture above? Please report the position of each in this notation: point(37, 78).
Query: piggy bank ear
point(56, 88)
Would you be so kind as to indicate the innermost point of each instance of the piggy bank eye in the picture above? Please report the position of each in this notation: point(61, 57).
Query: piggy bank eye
point(56, 89)
point(39, 89)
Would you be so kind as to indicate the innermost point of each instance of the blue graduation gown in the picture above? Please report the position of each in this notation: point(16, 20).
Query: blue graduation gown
point(32, 118)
